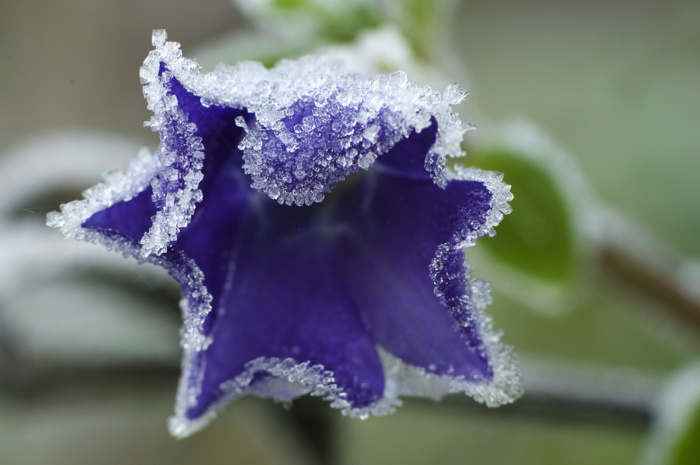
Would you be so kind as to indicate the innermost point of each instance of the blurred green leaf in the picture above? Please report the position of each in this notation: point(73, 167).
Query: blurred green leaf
point(685, 449)
point(422, 23)
point(538, 237)
point(675, 438)
point(289, 4)
point(316, 20)
point(345, 27)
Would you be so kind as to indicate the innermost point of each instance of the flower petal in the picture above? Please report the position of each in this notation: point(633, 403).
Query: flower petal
point(189, 133)
point(407, 228)
point(129, 219)
point(315, 121)
point(282, 313)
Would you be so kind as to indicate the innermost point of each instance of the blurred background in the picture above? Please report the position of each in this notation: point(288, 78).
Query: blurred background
point(589, 109)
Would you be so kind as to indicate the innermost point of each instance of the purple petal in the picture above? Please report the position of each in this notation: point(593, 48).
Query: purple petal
point(283, 301)
point(129, 219)
point(408, 158)
point(211, 234)
point(406, 228)
point(192, 136)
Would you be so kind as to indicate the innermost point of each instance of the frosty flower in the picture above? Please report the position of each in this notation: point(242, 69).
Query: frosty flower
point(317, 234)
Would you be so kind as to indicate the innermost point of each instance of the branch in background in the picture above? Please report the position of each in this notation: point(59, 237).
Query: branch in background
point(553, 391)
point(37, 383)
point(633, 257)
point(575, 393)
point(653, 279)
point(318, 423)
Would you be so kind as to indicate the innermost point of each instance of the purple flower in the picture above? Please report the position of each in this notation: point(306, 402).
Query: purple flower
point(317, 234)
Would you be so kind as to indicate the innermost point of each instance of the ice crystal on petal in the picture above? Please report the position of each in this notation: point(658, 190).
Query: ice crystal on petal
point(323, 123)
point(310, 114)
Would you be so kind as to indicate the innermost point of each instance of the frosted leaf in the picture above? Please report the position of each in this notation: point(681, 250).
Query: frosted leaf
point(570, 216)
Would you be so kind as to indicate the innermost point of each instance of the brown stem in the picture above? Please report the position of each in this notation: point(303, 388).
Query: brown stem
point(651, 277)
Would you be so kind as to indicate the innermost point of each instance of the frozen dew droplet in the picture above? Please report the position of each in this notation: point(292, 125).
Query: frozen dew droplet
point(274, 192)
point(159, 37)
point(240, 122)
point(455, 94)
point(309, 123)
point(371, 133)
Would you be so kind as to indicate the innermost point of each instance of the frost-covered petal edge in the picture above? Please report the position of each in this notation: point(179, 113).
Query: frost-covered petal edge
point(316, 98)
point(117, 187)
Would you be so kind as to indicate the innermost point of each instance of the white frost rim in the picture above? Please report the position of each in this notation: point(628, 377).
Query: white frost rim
point(117, 187)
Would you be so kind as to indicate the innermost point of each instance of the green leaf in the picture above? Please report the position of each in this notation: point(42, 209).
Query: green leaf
point(289, 4)
point(686, 447)
point(423, 23)
point(345, 28)
point(317, 20)
point(675, 439)
point(538, 237)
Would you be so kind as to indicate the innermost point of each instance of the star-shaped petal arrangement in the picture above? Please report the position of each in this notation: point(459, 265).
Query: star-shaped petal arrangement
point(317, 234)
